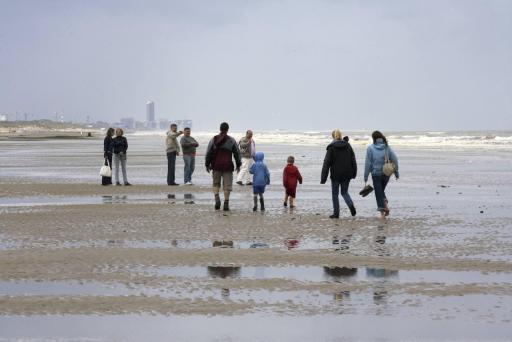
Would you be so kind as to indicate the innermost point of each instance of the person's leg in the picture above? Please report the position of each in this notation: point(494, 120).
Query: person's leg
point(292, 202)
point(109, 157)
point(169, 166)
point(285, 203)
point(192, 167)
point(255, 199)
point(172, 170)
point(335, 186)
point(216, 176)
point(262, 201)
point(227, 182)
point(346, 196)
point(116, 168)
point(379, 192)
point(186, 168)
point(385, 180)
point(123, 167)
point(248, 176)
point(243, 171)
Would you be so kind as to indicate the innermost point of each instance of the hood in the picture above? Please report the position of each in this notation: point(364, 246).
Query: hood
point(379, 144)
point(259, 156)
point(220, 139)
point(338, 144)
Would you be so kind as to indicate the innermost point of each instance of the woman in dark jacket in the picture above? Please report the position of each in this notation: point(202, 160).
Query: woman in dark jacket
point(340, 161)
point(108, 146)
point(120, 147)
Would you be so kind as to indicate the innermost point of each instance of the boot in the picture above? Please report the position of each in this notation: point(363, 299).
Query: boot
point(352, 210)
point(262, 204)
point(217, 202)
point(226, 205)
point(255, 203)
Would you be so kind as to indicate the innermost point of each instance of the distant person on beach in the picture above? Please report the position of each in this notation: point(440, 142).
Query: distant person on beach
point(260, 179)
point(188, 148)
point(120, 146)
point(291, 176)
point(173, 150)
point(108, 148)
point(340, 162)
point(376, 156)
point(247, 152)
point(219, 157)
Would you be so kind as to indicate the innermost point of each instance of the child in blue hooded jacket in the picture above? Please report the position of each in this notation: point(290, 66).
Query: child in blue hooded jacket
point(260, 179)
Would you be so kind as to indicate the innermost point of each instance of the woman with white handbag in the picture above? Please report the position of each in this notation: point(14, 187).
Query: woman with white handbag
point(106, 169)
point(381, 162)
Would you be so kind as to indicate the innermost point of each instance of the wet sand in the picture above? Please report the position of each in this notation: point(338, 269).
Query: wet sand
point(79, 250)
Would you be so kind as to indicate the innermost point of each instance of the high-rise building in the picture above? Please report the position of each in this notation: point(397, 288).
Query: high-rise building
point(150, 111)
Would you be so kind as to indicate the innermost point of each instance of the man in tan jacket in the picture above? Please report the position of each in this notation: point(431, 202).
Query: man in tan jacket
point(173, 150)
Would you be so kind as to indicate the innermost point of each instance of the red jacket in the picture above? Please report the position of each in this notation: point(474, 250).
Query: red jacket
point(291, 175)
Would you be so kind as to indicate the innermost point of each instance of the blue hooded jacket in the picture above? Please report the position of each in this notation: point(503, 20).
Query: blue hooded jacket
point(375, 159)
point(259, 170)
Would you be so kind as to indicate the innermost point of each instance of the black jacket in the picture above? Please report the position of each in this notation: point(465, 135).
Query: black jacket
point(120, 145)
point(108, 145)
point(340, 161)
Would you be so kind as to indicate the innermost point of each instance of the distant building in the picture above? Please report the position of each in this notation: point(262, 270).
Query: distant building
point(150, 115)
point(127, 123)
point(182, 123)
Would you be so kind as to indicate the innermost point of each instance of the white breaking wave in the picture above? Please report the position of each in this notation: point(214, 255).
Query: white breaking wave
point(485, 139)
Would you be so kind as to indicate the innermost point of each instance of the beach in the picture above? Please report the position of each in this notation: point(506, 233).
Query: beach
point(75, 254)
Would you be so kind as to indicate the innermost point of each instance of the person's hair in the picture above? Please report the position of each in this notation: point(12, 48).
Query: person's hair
point(290, 160)
point(174, 125)
point(332, 134)
point(336, 134)
point(119, 130)
point(378, 135)
point(110, 132)
point(224, 127)
point(186, 128)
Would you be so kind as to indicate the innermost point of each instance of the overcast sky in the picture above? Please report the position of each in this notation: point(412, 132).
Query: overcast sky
point(308, 65)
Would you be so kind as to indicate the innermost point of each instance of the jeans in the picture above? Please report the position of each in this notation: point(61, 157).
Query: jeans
point(171, 168)
point(379, 185)
point(120, 158)
point(343, 188)
point(190, 164)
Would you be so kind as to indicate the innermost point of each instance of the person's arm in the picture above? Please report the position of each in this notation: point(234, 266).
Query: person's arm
point(251, 170)
point(284, 177)
point(267, 175)
point(195, 143)
point(367, 163)
point(326, 166)
point(208, 156)
point(354, 163)
point(125, 144)
point(236, 155)
point(299, 176)
point(394, 159)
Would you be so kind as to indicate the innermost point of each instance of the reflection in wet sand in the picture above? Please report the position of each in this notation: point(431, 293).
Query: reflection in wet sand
point(224, 271)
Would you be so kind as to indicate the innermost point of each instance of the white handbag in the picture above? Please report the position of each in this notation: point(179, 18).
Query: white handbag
point(106, 170)
point(389, 167)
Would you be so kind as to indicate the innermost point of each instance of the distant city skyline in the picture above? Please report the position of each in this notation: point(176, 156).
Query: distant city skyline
point(297, 65)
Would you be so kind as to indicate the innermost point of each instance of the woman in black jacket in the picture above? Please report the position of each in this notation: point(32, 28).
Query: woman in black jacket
point(340, 161)
point(119, 149)
point(108, 146)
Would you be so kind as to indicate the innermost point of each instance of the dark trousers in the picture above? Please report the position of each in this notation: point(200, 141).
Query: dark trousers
point(338, 187)
point(379, 187)
point(107, 180)
point(171, 168)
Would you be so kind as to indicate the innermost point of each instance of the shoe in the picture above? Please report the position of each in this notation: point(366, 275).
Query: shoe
point(255, 208)
point(226, 206)
point(239, 183)
point(333, 216)
point(127, 184)
point(189, 183)
point(217, 202)
point(248, 183)
point(285, 204)
point(352, 210)
point(118, 184)
point(173, 184)
point(262, 204)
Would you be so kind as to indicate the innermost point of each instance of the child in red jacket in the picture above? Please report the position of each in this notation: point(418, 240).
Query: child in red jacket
point(291, 175)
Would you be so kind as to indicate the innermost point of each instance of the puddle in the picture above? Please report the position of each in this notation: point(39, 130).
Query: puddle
point(328, 273)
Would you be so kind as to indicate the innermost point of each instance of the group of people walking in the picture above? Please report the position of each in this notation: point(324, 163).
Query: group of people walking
point(224, 155)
